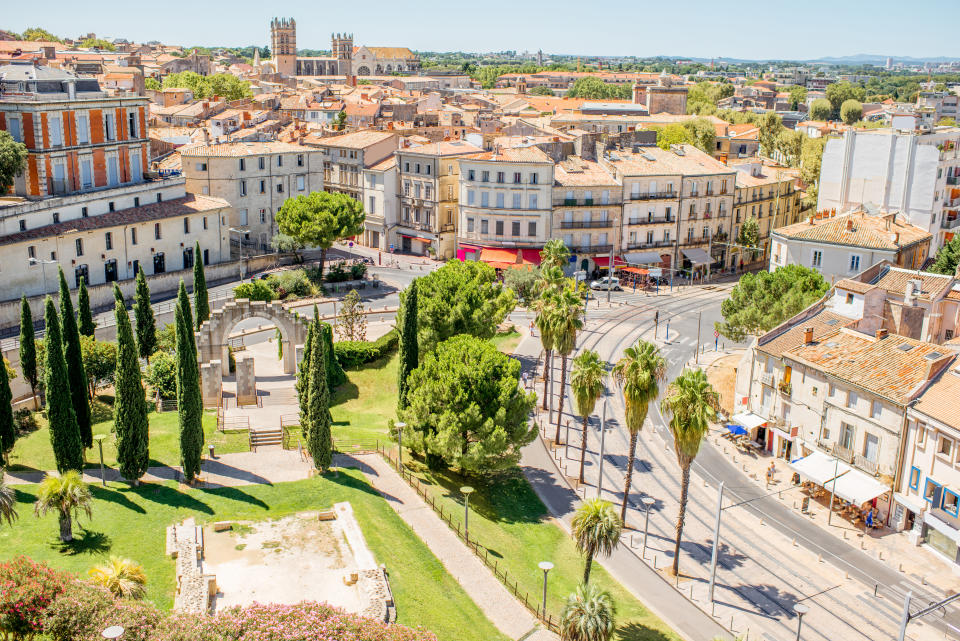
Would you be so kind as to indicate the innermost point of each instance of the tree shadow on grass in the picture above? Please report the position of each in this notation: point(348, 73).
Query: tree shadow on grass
point(166, 495)
point(89, 542)
point(113, 496)
point(235, 494)
point(348, 480)
point(633, 631)
point(504, 497)
point(346, 392)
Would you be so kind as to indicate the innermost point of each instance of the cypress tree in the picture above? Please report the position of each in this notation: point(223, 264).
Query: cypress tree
point(189, 402)
point(143, 314)
point(335, 374)
point(200, 301)
point(409, 345)
point(74, 359)
point(303, 380)
point(130, 407)
point(84, 316)
point(319, 438)
point(8, 432)
point(28, 348)
point(64, 432)
point(183, 301)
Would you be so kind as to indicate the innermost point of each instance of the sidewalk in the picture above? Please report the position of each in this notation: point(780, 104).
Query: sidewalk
point(503, 610)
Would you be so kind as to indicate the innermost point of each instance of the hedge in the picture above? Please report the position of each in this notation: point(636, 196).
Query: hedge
point(354, 353)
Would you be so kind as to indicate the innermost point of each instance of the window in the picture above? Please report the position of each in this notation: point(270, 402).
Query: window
point(79, 245)
point(204, 222)
point(484, 199)
point(243, 164)
point(921, 433)
point(301, 183)
point(485, 176)
point(109, 128)
point(875, 408)
point(849, 299)
point(533, 200)
point(86, 173)
point(159, 197)
point(111, 206)
point(484, 226)
point(243, 187)
point(499, 176)
point(470, 225)
point(930, 489)
point(851, 399)
point(156, 231)
point(132, 124)
point(279, 187)
point(108, 240)
point(471, 174)
point(372, 205)
point(470, 197)
point(261, 162)
point(23, 225)
point(847, 433)
point(949, 504)
point(186, 225)
point(188, 258)
point(279, 161)
point(854, 262)
point(55, 127)
point(817, 258)
point(500, 200)
point(16, 130)
point(136, 201)
point(499, 228)
point(159, 263)
point(516, 177)
point(243, 217)
point(81, 272)
point(110, 273)
point(517, 198)
point(56, 217)
point(532, 228)
point(533, 179)
point(515, 228)
point(945, 447)
point(32, 252)
point(299, 160)
point(914, 478)
point(263, 216)
point(263, 186)
point(133, 235)
point(871, 447)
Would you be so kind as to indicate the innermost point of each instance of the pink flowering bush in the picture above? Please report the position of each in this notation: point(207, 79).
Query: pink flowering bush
point(27, 589)
point(83, 610)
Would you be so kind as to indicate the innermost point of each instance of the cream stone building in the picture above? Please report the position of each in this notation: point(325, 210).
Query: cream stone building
point(587, 211)
point(379, 202)
point(255, 178)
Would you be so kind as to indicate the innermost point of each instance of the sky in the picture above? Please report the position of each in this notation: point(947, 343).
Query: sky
point(751, 29)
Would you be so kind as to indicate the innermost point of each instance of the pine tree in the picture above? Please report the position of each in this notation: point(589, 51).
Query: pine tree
point(8, 432)
point(130, 407)
point(64, 432)
point(74, 359)
point(143, 313)
point(409, 345)
point(189, 402)
point(200, 301)
point(28, 348)
point(183, 301)
point(319, 438)
point(84, 316)
point(303, 379)
point(335, 374)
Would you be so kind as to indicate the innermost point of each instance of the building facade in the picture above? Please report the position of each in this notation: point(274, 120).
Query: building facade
point(587, 211)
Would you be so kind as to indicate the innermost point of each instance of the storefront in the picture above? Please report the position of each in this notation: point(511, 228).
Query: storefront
point(941, 537)
point(836, 478)
point(756, 427)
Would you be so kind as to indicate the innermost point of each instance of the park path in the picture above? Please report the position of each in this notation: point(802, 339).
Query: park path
point(503, 610)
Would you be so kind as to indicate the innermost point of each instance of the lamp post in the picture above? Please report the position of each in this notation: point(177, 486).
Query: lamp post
point(648, 503)
point(43, 267)
point(716, 541)
point(546, 566)
point(800, 609)
point(466, 490)
point(603, 434)
point(833, 489)
point(98, 438)
point(240, 231)
point(400, 427)
point(113, 632)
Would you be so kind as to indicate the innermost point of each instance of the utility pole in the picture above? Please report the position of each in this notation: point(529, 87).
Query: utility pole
point(697, 355)
point(716, 541)
point(709, 250)
point(610, 275)
point(603, 434)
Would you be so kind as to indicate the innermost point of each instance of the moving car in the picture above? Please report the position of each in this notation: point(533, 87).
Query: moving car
point(607, 282)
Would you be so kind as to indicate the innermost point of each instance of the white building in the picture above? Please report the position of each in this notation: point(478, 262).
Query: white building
point(379, 202)
point(906, 172)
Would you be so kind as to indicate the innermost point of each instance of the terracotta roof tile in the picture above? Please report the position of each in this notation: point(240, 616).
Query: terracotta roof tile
point(866, 231)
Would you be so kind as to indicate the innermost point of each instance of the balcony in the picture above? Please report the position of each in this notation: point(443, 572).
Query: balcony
point(649, 221)
point(585, 224)
point(591, 249)
point(785, 388)
point(953, 180)
point(950, 223)
point(649, 244)
point(586, 202)
point(766, 378)
point(653, 195)
point(447, 227)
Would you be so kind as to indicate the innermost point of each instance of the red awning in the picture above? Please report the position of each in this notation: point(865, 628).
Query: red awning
point(496, 255)
point(530, 256)
point(635, 270)
point(604, 261)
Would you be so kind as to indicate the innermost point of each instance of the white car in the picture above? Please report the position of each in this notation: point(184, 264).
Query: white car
point(607, 282)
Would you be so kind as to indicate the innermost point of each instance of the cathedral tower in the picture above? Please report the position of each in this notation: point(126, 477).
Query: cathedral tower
point(283, 45)
point(342, 46)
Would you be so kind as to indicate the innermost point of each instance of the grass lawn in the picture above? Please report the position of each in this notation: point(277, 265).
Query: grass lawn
point(130, 522)
point(508, 518)
point(507, 342)
point(33, 451)
point(361, 407)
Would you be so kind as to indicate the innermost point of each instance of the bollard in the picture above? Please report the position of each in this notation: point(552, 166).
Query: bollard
point(794, 542)
point(820, 558)
point(876, 589)
point(901, 567)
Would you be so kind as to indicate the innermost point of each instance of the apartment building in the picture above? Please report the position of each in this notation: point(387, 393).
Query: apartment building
point(255, 178)
point(78, 139)
point(676, 202)
point(915, 173)
point(944, 104)
point(380, 203)
point(345, 157)
point(429, 179)
point(769, 195)
point(505, 201)
point(587, 211)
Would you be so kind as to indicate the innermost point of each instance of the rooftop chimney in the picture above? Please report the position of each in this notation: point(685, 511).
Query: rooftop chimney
point(882, 333)
point(849, 224)
point(808, 336)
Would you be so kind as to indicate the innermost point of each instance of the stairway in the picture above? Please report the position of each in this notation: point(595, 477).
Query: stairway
point(265, 436)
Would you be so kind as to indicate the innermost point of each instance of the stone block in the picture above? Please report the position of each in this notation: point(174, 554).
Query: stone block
point(246, 381)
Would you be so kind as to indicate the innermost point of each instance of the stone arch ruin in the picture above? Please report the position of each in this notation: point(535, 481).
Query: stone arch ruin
point(213, 334)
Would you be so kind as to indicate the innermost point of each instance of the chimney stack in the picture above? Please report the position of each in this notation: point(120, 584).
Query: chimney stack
point(882, 333)
point(849, 224)
point(808, 336)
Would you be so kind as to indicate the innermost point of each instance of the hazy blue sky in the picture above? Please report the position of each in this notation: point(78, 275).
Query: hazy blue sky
point(734, 29)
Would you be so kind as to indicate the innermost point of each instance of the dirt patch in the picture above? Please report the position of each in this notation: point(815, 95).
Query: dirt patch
point(284, 561)
point(722, 374)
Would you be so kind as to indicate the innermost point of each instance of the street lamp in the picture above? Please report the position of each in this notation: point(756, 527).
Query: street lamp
point(466, 490)
point(240, 231)
point(546, 566)
point(800, 609)
point(98, 438)
point(400, 427)
point(648, 503)
point(113, 632)
point(43, 266)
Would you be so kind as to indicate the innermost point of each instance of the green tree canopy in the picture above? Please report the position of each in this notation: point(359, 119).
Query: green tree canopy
point(13, 160)
point(466, 408)
point(8, 430)
point(460, 298)
point(223, 85)
point(38, 34)
point(99, 362)
point(98, 43)
point(64, 432)
point(317, 429)
point(143, 314)
point(947, 259)
point(130, 421)
point(73, 355)
point(84, 316)
point(811, 156)
point(152, 84)
point(409, 345)
point(593, 88)
point(798, 96)
point(759, 302)
point(771, 126)
point(28, 346)
point(749, 233)
point(201, 302)
point(851, 111)
point(790, 144)
point(320, 219)
point(821, 109)
point(542, 91)
point(840, 92)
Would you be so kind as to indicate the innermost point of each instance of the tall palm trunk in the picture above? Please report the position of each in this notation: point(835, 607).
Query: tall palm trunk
point(587, 564)
point(583, 449)
point(631, 453)
point(547, 358)
point(66, 527)
point(563, 383)
point(684, 486)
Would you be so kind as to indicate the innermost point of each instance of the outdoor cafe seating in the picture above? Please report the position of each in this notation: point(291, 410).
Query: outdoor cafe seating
point(852, 490)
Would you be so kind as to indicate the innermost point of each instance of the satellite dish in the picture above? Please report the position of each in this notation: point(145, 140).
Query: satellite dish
point(113, 632)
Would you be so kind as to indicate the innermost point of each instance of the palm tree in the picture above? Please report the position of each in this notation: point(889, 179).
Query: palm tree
point(555, 254)
point(693, 403)
point(639, 373)
point(596, 528)
point(567, 321)
point(543, 307)
point(588, 615)
point(586, 382)
point(123, 577)
point(66, 494)
point(8, 502)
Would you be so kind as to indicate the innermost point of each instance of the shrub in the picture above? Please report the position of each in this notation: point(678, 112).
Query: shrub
point(357, 271)
point(254, 290)
point(84, 610)
point(162, 375)
point(354, 353)
point(27, 588)
point(337, 273)
point(290, 283)
point(25, 421)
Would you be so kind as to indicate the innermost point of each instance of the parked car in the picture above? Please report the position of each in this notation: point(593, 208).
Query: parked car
point(607, 282)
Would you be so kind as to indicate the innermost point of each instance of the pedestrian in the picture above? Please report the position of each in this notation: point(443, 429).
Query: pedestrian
point(770, 472)
point(523, 378)
point(532, 327)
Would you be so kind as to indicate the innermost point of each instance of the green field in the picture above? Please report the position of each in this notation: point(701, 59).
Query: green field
point(33, 451)
point(131, 522)
point(508, 518)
